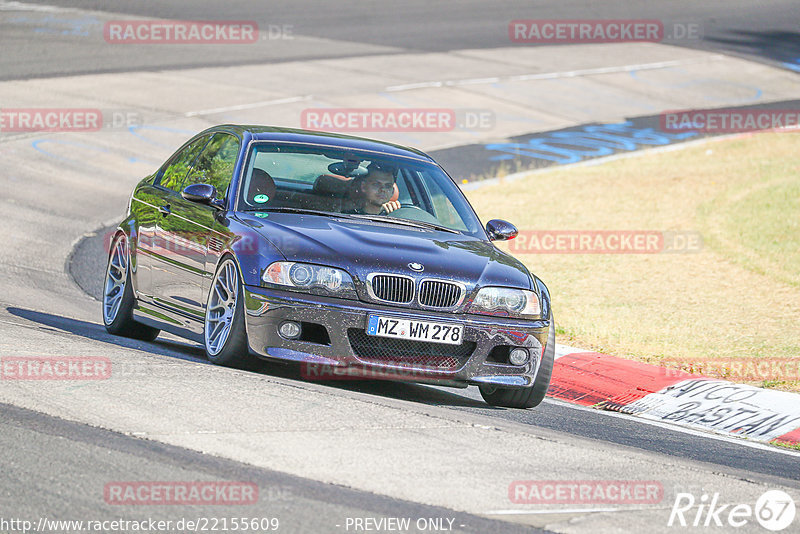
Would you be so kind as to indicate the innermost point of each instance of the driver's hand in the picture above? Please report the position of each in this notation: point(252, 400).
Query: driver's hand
point(390, 206)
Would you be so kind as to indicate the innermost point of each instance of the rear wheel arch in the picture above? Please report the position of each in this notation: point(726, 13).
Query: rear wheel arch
point(128, 228)
point(118, 294)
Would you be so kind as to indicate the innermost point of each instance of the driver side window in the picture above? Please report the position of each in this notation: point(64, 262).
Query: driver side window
point(175, 172)
point(443, 208)
point(216, 163)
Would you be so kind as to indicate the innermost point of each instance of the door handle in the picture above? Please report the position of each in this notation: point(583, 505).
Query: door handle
point(165, 210)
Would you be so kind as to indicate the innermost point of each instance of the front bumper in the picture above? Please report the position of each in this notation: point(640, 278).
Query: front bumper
point(343, 356)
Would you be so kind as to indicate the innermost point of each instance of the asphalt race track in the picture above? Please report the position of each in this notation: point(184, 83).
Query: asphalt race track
point(767, 31)
point(323, 454)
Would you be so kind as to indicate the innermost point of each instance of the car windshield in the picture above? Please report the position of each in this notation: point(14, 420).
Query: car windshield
point(329, 180)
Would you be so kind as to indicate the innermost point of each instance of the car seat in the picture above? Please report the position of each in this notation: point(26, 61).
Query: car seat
point(262, 186)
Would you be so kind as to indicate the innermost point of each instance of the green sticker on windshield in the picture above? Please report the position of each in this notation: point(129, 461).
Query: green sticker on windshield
point(261, 199)
point(262, 215)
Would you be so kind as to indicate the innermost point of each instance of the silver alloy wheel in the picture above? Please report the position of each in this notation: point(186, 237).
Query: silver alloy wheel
point(221, 307)
point(116, 278)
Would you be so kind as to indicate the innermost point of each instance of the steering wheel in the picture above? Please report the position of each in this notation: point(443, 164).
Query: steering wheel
point(413, 213)
point(402, 206)
point(413, 206)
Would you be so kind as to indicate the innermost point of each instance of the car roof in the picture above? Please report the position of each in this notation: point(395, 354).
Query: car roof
point(293, 135)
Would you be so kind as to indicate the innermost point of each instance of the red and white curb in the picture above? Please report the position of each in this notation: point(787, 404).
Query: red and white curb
point(676, 397)
point(666, 395)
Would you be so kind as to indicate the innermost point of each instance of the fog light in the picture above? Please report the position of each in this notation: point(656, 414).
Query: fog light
point(290, 330)
point(518, 356)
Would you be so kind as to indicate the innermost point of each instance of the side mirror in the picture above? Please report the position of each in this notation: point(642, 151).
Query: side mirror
point(203, 194)
point(500, 230)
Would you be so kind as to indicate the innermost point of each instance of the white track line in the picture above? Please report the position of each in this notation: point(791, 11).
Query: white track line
point(253, 105)
point(565, 511)
point(20, 6)
point(553, 75)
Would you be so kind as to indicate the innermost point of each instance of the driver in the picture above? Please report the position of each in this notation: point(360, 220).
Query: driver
point(373, 191)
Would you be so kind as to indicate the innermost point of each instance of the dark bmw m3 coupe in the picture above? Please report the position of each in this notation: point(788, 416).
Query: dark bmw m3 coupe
point(334, 252)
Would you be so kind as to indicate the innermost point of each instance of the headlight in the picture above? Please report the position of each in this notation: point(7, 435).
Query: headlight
point(310, 278)
point(506, 302)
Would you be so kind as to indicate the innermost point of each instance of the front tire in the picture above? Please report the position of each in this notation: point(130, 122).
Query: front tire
point(118, 299)
point(224, 331)
point(531, 396)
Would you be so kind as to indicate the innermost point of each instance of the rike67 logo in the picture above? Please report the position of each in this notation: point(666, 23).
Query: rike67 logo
point(774, 510)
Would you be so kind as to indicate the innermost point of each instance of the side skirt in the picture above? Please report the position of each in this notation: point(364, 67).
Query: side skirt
point(169, 321)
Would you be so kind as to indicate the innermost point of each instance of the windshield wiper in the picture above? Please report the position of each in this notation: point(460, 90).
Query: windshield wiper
point(380, 218)
point(406, 222)
point(302, 211)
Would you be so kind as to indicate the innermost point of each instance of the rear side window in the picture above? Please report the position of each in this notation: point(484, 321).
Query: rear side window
point(216, 162)
point(175, 172)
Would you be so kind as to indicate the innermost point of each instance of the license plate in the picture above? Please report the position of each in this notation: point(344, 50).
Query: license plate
point(415, 330)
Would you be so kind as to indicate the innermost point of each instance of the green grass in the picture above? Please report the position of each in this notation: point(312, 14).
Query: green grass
point(793, 446)
point(759, 226)
point(738, 297)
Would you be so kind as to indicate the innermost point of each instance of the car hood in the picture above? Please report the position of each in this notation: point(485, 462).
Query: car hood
point(362, 247)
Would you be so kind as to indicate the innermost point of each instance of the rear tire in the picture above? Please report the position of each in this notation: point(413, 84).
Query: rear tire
point(531, 396)
point(224, 330)
point(118, 299)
